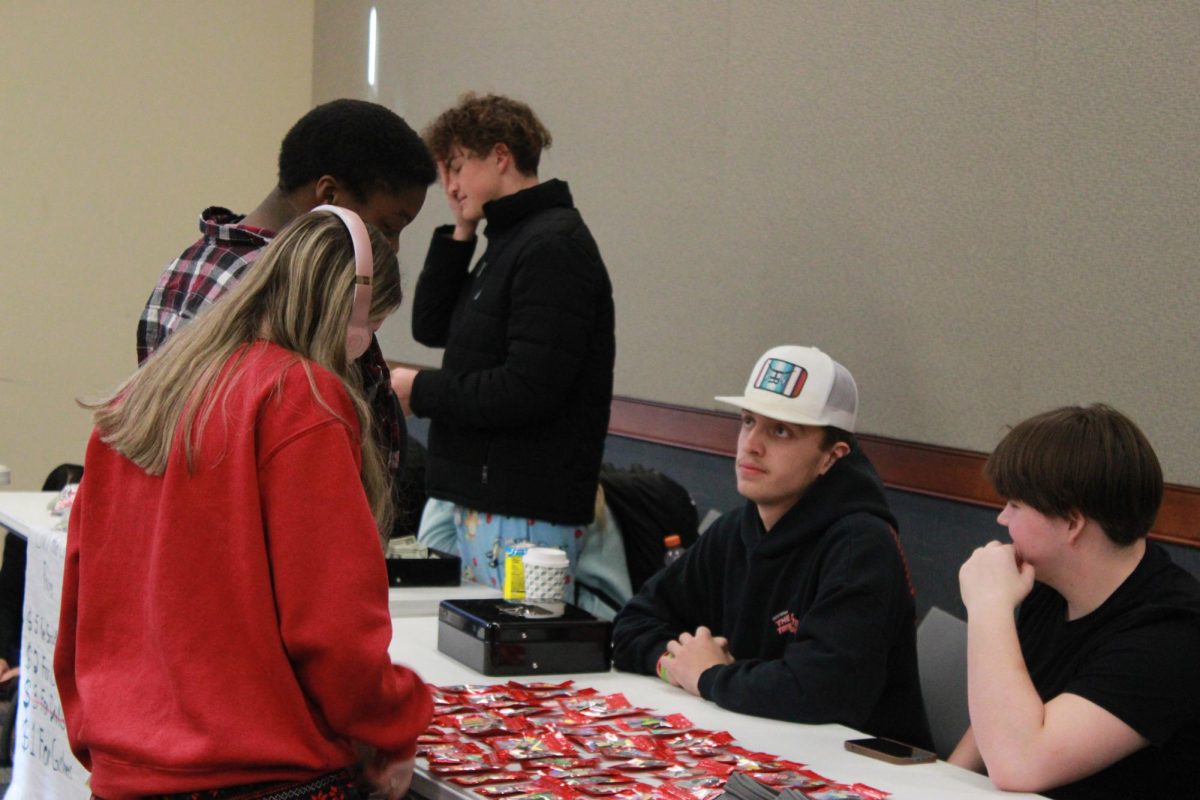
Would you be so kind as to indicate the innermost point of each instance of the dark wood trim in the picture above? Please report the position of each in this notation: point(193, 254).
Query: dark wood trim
point(943, 472)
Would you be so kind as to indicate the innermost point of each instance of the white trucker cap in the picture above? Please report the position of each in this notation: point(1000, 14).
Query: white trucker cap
point(800, 385)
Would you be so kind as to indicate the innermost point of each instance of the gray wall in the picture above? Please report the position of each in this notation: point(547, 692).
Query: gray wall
point(983, 209)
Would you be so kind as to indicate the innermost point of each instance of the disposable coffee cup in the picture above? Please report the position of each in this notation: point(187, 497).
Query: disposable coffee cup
point(545, 574)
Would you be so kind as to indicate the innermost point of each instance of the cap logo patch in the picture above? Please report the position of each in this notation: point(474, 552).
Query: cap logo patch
point(781, 377)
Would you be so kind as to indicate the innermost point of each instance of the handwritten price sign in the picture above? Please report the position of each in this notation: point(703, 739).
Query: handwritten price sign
point(43, 765)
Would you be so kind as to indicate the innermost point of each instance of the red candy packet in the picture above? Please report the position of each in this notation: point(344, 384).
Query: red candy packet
point(482, 723)
point(799, 779)
point(544, 688)
point(589, 771)
point(434, 735)
point(460, 753)
point(640, 764)
point(716, 740)
point(651, 723)
point(490, 763)
point(676, 772)
point(584, 782)
point(577, 724)
point(617, 745)
point(505, 789)
point(524, 710)
point(549, 789)
point(674, 791)
point(601, 707)
point(634, 791)
point(439, 747)
point(745, 761)
point(605, 789)
point(562, 762)
point(533, 745)
point(484, 778)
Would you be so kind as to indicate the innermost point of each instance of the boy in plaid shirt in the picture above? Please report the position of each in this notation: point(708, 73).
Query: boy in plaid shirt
point(349, 153)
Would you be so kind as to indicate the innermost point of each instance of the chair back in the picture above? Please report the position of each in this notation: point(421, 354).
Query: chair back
point(942, 659)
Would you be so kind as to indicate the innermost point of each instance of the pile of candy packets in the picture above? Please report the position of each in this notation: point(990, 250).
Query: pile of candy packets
point(543, 741)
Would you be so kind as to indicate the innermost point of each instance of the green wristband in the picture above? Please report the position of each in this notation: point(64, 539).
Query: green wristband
point(661, 668)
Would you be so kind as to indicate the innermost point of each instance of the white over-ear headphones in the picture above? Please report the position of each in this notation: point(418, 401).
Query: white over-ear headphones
point(358, 335)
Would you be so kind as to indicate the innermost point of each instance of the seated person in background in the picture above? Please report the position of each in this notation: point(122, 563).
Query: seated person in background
point(224, 622)
point(796, 606)
point(1091, 691)
point(519, 409)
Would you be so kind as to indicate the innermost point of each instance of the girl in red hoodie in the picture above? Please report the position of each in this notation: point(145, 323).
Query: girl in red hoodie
point(224, 615)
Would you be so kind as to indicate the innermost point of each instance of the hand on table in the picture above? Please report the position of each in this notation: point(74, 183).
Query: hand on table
point(691, 654)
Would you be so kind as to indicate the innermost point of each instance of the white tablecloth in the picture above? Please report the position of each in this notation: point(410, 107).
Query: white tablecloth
point(43, 766)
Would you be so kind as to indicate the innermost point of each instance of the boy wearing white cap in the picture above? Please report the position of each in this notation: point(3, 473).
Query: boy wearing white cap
point(796, 606)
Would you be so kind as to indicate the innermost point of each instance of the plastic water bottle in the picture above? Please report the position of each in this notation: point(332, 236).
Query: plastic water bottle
point(674, 547)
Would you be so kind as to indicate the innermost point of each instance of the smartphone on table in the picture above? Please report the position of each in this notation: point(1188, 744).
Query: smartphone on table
point(890, 751)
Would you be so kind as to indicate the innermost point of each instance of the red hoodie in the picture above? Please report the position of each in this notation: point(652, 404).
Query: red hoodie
point(230, 625)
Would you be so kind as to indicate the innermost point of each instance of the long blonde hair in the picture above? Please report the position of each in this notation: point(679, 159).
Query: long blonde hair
point(298, 295)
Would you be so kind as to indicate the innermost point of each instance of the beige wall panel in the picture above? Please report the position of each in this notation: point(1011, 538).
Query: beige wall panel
point(119, 122)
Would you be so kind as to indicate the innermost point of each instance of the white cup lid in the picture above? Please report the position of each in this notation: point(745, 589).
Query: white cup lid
point(545, 557)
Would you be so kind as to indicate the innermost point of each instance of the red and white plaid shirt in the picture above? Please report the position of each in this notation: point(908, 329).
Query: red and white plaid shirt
point(211, 267)
point(204, 272)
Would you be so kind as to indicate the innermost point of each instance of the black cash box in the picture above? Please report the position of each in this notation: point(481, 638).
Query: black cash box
point(440, 569)
point(514, 637)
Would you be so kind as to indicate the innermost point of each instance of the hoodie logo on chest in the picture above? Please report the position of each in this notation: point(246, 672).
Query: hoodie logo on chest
point(785, 623)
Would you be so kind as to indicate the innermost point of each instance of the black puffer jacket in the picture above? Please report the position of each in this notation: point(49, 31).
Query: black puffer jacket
point(519, 410)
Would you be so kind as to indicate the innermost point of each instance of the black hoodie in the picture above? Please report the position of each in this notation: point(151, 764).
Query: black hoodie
point(819, 611)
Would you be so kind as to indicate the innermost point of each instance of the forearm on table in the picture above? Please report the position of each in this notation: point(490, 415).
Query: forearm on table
point(966, 754)
point(1007, 714)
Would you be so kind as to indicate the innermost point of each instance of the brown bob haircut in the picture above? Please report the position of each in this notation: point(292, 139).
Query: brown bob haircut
point(1092, 460)
point(479, 123)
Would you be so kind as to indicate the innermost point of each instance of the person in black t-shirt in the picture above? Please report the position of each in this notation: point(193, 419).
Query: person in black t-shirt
point(1091, 691)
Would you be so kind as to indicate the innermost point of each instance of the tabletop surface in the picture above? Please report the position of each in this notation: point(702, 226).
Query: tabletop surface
point(821, 747)
point(23, 512)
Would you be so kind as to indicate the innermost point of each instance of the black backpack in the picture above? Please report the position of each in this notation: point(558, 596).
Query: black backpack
point(648, 506)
